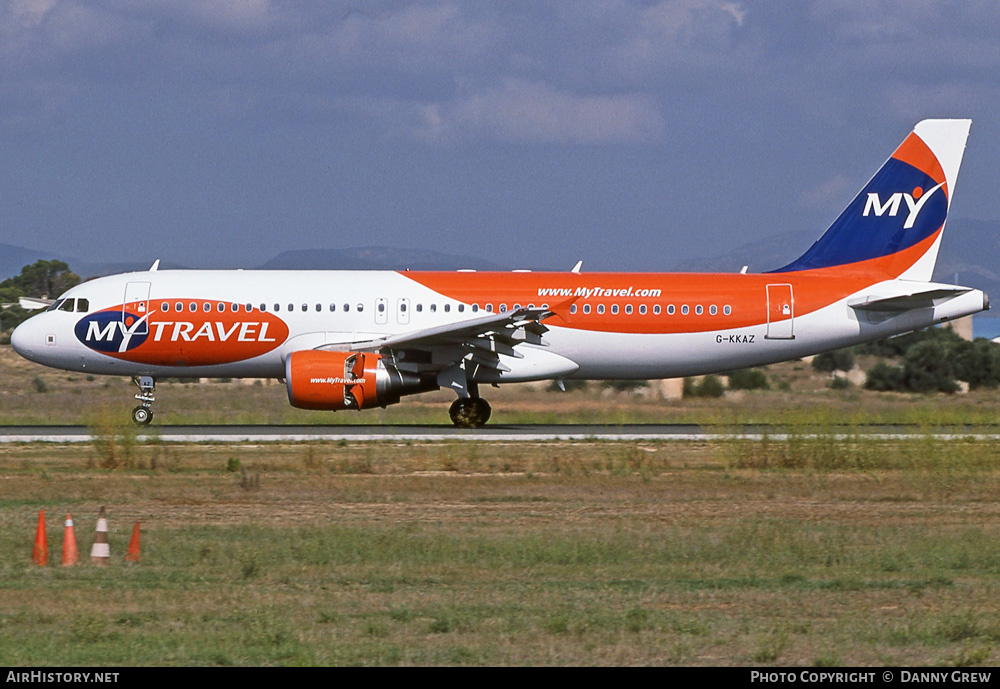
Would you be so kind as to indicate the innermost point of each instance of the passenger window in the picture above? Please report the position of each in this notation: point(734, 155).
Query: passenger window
point(656, 310)
point(600, 308)
point(684, 310)
point(192, 307)
point(503, 308)
point(434, 308)
point(572, 308)
point(420, 308)
point(305, 307)
point(727, 310)
point(670, 309)
point(263, 308)
point(628, 308)
point(642, 309)
point(319, 307)
point(713, 310)
point(347, 307)
point(586, 308)
point(489, 308)
point(614, 309)
point(461, 308)
point(475, 308)
point(447, 308)
point(249, 308)
point(206, 307)
point(333, 307)
point(698, 309)
point(291, 307)
point(277, 308)
point(164, 306)
point(178, 306)
point(361, 307)
point(220, 307)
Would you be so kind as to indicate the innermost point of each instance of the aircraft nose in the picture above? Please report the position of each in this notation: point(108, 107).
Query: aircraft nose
point(21, 339)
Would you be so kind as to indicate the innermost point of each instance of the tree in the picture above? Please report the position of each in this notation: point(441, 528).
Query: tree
point(43, 279)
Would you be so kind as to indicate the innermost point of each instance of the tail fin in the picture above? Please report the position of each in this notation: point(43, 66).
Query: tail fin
point(893, 227)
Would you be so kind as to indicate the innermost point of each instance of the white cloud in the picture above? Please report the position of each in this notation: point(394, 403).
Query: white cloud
point(524, 111)
point(831, 194)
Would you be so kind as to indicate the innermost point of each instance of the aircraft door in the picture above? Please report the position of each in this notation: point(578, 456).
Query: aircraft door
point(136, 306)
point(780, 312)
point(381, 311)
point(403, 311)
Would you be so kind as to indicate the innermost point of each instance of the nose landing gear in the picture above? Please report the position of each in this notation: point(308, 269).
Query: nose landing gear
point(143, 414)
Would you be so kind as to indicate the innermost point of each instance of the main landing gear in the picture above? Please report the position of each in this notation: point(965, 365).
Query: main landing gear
point(470, 412)
point(143, 414)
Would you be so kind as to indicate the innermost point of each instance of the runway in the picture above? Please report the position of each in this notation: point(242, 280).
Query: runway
point(492, 433)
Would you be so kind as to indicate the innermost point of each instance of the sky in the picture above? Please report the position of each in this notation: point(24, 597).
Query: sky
point(631, 135)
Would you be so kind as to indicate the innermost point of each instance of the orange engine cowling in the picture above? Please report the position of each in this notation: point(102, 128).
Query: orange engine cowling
point(346, 380)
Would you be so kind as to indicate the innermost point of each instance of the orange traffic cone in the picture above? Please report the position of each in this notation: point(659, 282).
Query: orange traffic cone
point(40, 555)
point(133, 546)
point(70, 555)
point(100, 552)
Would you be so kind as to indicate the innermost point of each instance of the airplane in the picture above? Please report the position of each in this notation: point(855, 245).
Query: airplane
point(355, 340)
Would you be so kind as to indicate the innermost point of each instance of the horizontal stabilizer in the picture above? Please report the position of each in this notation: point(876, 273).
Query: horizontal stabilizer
point(917, 299)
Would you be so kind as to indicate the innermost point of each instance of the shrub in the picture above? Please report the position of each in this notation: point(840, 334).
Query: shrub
point(748, 379)
point(709, 386)
point(928, 368)
point(837, 360)
point(977, 363)
point(885, 377)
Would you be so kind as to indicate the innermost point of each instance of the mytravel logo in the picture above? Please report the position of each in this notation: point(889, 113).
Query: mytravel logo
point(212, 334)
point(111, 331)
point(915, 202)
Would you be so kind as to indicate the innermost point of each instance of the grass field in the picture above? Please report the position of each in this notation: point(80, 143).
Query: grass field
point(827, 548)
point(469, 553)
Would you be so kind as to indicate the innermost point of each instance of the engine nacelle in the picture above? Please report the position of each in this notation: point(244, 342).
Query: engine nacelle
point(346, 380)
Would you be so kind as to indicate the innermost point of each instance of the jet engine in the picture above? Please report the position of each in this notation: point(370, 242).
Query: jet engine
point(347, 380)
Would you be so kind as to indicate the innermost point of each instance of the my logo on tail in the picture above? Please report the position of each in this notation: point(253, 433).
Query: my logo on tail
point(914, 202)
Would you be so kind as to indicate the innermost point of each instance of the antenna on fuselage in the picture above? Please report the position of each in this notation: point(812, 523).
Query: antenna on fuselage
point(156, 264)
point(576, 268)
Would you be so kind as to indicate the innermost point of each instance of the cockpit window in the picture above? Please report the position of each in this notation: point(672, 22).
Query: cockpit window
point(55, 305)
point(68, 305)
point(82, 305)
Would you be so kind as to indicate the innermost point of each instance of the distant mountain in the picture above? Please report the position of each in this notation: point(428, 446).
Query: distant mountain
point(770, 253)
point(13, 258)
point(970, 255)
point(375, 258)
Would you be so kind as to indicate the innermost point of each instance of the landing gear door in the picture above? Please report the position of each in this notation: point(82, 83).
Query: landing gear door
point(135, 308)
point(780, 312)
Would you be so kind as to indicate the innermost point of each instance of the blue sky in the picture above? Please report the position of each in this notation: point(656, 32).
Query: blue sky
point(631, 135)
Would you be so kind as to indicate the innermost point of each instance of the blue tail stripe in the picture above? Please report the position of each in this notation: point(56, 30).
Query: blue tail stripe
point(872, 226)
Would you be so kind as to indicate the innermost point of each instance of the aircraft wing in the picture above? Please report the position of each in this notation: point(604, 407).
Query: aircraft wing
point(477, 341)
